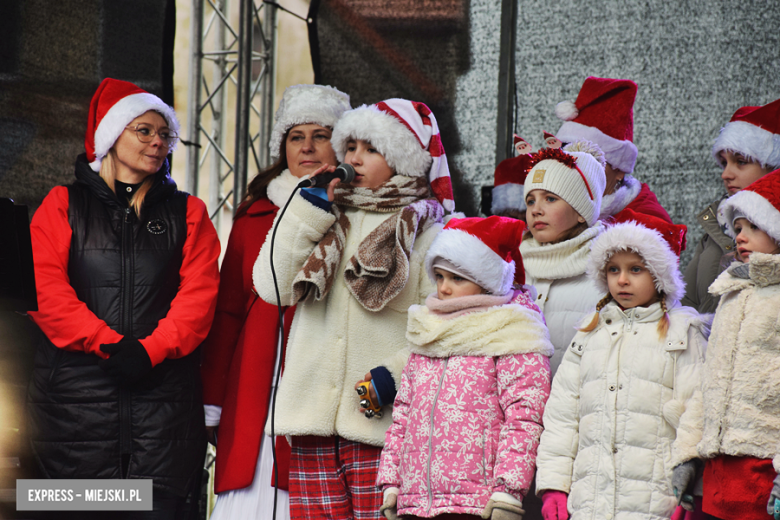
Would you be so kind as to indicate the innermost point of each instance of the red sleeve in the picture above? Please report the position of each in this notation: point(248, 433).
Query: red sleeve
point(65, 319)
point(232, 305)
point(192, 310)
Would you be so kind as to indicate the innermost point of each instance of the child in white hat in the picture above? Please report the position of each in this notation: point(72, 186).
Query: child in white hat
point(747, 148)
point(624, 414)
point(563, 196)
point(741, 382)
point(352, 259)
point(467, 417)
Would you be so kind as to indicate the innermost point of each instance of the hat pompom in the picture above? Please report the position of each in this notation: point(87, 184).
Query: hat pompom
point(588, 147)
point(566, 110)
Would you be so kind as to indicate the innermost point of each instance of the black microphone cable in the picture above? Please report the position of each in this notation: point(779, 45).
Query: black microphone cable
point(282, 351)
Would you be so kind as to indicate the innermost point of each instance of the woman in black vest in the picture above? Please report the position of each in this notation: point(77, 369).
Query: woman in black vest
point(126, 270)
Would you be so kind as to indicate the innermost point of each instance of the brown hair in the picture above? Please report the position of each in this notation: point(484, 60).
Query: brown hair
point(572, 232)
point(108, 174)
point(258, 187)
point(663, 323)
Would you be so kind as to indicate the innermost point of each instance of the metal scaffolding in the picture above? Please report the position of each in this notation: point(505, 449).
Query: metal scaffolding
point(231, 72)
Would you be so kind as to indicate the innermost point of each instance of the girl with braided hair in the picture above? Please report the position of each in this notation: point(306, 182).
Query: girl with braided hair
point(625, 411)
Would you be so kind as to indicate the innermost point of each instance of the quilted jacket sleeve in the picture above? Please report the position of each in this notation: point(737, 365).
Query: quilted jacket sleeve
point(189, 318)
point(560, 439)
point(686, 406)
point(65, 319)
point(300, 229)
point(523, 390)
point(390, 459)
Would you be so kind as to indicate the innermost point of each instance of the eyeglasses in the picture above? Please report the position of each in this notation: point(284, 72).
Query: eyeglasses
point(146, 133)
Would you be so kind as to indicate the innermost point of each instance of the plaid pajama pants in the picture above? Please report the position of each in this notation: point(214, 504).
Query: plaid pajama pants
point(333, 478)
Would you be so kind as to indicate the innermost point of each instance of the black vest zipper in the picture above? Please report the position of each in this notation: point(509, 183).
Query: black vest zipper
point(125, 417)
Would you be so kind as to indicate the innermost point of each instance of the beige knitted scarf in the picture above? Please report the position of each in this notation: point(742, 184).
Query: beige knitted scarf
point(378, 271)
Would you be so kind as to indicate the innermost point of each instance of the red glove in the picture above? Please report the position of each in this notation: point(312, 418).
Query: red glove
point(554, 505)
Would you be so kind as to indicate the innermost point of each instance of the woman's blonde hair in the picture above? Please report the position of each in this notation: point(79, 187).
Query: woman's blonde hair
point(663, 323)
point(108, 174)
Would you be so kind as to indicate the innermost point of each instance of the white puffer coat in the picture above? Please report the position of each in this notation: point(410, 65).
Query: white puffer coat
point(742, 375)
point(625, 408)
point(565, 294)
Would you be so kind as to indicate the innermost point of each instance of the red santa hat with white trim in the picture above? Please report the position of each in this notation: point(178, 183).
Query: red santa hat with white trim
point(484, 250)
point(604, 114)
point(407, 135)
point(658, 243)
point(753, 132)
point(508, 180)
point(114, 106)
point(759, 203)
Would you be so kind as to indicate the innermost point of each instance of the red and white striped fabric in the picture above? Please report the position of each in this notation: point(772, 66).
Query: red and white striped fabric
point(407, 135)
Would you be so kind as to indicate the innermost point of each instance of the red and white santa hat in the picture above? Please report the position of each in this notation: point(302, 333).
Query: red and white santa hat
point(604, 114)
point(658, 243)
point(306, 104)
point(114, 106)
point(759, 203)
point(485, 250)
point(753, 132)
point(407, 135)
point(508, 181)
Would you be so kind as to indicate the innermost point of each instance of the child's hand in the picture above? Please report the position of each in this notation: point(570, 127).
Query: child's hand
point(498, 510)
point(554, 505)
point(371, 392)
point(389, 507)
point(332, 185)
point(683, 479)
point(773, 506)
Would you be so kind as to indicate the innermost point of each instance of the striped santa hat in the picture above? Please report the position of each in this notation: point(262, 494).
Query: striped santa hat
point(407, 135)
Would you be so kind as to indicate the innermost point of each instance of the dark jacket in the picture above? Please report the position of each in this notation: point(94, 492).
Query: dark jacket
point(707, 262)
point(126, 272)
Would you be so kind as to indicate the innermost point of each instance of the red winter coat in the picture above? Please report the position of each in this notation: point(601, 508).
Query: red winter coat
point(240, 355)
point(646, 203)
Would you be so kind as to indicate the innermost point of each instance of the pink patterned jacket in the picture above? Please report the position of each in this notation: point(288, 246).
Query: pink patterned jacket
point(468, 415)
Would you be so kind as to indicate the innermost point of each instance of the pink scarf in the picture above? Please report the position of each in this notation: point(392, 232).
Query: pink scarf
point(454, 307)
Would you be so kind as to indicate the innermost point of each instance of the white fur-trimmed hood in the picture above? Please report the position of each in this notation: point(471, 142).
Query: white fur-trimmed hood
point(397, 143)
point(659, 258)
point(502, 330)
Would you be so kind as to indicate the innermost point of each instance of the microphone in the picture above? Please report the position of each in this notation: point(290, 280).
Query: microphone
point(344, 171)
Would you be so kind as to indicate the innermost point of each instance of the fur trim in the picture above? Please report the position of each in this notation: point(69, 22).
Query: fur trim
point(764, 271)
point(672, 412)
point(507, 197)
point(566, 110)
point(753, 142)
point(588, 147)
point(499, 331)
point(756, 209)
point(659, 258)
point(620, 154)
point(281, 187)
point(122, 114)
point(306, 104)
point(397, 143)
point(490, 271)
point(623, 196)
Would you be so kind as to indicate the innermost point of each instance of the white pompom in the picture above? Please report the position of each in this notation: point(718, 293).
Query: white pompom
point(583, 145)
point(566, 110)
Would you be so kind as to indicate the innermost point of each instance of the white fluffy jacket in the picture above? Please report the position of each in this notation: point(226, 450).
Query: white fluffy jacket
point(625, 408)
point(334, 342)
point(742, 373)
point(565, 294)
